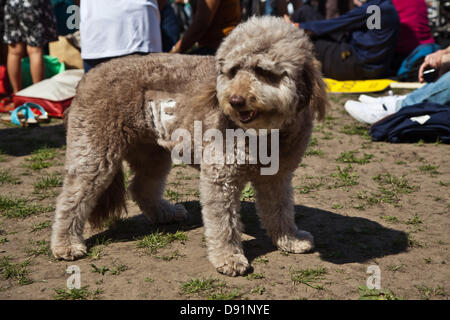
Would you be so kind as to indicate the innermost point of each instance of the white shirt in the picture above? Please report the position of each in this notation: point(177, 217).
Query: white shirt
point(110, 28)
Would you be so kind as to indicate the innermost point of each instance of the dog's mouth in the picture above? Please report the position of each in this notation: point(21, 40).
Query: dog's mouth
point(247, 116)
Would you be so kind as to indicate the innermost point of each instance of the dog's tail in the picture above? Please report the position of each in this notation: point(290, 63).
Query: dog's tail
point(112, 203)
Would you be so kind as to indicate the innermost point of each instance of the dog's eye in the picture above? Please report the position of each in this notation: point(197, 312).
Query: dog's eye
point(232, 72)
point(268, 76)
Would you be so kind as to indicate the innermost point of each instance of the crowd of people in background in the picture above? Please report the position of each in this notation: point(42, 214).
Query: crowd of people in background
point(347, 47)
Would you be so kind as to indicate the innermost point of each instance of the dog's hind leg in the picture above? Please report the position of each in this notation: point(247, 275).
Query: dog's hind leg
point(275, 207)
point(220, 200)
point(151, 165)
point(83, 190)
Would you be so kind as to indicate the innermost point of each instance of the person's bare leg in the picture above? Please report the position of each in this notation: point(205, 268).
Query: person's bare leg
point(16, 52)
point(36, 63)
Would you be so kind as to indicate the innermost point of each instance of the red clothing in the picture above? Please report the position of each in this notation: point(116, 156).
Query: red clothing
point(414, 28)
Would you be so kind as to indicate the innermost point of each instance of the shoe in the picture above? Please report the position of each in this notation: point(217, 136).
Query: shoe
point(390, 102)
point(368, 113)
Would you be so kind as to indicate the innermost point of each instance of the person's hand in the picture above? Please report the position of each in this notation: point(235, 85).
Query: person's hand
point(432, 61)
point(176, 47)
point(288, 20)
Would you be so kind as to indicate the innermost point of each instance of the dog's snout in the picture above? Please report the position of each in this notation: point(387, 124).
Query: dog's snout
point(237, 101)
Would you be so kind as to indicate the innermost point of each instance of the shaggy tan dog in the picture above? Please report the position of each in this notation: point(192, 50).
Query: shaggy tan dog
point(264, 76)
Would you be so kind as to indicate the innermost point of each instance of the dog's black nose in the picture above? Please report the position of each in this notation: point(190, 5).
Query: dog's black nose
point(237, 102)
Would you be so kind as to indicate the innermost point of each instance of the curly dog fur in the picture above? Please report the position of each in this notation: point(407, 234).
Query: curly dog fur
point(264, 70)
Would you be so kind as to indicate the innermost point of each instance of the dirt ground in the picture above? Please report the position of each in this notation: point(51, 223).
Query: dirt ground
point(366, 203)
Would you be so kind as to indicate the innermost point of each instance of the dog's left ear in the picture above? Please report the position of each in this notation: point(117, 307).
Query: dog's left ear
point(315, 89)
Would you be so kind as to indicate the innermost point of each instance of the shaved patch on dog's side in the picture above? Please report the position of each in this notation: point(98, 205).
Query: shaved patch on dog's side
point(162, 113)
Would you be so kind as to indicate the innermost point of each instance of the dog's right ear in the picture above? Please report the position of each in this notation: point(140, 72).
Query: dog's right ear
point(206, 94)
point(318, 100)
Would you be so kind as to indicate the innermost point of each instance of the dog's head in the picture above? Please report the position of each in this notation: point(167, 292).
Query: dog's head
point(267, 73)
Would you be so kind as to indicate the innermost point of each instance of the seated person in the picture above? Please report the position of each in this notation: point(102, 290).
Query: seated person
point(414, 28)
point(370, 110)
point(345, 45)
point(212, 21)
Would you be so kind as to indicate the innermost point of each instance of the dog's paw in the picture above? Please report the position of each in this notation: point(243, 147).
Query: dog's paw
point(70, 252)
point(235, 265)
point(171, 213)
point(180, 213)
point(301, 243)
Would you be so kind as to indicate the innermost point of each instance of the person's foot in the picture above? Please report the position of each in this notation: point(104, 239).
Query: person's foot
point(368, 112)
point(390, 102)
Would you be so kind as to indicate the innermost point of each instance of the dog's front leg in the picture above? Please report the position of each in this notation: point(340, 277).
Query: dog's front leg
point(219, 196)
point(275, 207)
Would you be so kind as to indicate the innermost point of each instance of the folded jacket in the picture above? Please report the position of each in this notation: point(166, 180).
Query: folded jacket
point(423, 121)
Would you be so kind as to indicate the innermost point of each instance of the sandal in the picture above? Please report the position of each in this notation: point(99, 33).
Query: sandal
point(21, 116)
point(39, 112)
point(27, 114)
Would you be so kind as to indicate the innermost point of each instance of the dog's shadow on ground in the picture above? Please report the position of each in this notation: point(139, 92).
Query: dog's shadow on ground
point(339, 239)
point(17, 141)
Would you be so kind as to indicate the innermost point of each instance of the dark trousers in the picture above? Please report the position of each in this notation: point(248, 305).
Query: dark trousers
point(333, 51)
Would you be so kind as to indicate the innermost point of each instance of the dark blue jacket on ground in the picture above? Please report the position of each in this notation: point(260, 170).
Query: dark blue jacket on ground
point(426, 121)
point(375, 47)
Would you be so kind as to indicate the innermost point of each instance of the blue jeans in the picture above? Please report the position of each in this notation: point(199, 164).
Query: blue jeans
point(436, 92)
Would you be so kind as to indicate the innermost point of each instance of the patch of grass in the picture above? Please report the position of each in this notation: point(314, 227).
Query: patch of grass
point(16, 271)
point(428, 168)
point(20, 207)
point(174, 255)
point(3, 240)
point(95, 252)
point(415, 221)
point(102, 270)
point(390, 189)
point(7, 178)
point(313, 152)
point(345, 177)
point(40, 226)
point(248, 193)
point(307, 188)
point(390, 219)
point(374, 294)
point(254, 276)
point(118, 268)
point(355, 129)
point(428, 292)
point(198, 285)
point(48, 182)
point(337, 206)
point(395, 267)
point(349, 157)
point(313, 142)
point(225, 295)
point(172, 195)
point(148, 279)
point(444, 184)
point(40, 159)
point(413, 243)
point(37, 248)
point(258, 290)
point(262, 260)
point(158, 240)
point(309, 277)
point(77, 294)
